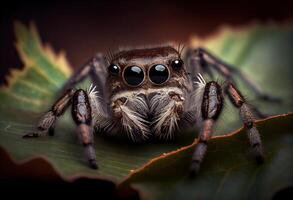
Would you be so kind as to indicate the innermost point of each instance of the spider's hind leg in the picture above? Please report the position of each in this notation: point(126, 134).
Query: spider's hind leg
point(247, 118)
point(47, 122)
point(201, 60)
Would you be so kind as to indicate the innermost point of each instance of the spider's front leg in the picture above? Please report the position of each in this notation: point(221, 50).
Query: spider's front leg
point(82, 116)
point(83, 107)
point(47, 122)
point(211, 107)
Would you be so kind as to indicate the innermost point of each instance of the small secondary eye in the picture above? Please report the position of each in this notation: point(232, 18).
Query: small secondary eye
point(114, 69)
point(159, 74)
point(177, 64)
point(133, 75)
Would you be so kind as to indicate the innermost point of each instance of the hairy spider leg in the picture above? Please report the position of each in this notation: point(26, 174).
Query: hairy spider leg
point(202, 60)
point(95, 69)
point(82, 116)
point(47, 122)
point(211, 108)
point(247, 118)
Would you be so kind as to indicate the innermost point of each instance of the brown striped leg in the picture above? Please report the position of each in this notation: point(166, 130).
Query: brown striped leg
point(82, 116)
point(211, 108)
point(95, 68)
point(47, 122)
point(197, 64)
point(206, 61)
point(248, 120)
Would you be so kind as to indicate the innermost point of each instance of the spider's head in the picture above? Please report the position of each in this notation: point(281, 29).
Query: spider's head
point(145, 81)
point(138, 69)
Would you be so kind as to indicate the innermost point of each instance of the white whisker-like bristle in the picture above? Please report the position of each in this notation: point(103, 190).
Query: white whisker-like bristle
point(92, 91)
point(94, 88)
point(201, 81)
point(95, 101)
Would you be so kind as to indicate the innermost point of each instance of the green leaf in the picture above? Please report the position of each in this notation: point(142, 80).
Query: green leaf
point(228, 171)
point(262, 52)
point(33, 88)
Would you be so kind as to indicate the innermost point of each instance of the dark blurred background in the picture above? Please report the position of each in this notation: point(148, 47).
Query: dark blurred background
point(82, 28)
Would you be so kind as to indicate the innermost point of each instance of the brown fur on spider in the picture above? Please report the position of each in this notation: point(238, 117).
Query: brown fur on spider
point(152, 92)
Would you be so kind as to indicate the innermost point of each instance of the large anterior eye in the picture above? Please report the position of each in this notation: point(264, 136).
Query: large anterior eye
point(133, 75)
point(114, 69)
point(159, 74)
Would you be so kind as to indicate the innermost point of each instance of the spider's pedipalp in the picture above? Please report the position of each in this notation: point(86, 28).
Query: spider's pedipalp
point(167, 108)
point(130, 110)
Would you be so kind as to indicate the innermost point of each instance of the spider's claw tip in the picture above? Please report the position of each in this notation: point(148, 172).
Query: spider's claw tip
point(192, 174)
point(272, 99)
point(258, 155)
point(30, 135)
point(259, 159)
point(93, 163)
point(194, 169)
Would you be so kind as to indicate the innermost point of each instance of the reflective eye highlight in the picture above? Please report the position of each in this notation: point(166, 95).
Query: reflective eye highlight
point(133, 75)
point(114, 69)
point(177, 64)
point(159, 74)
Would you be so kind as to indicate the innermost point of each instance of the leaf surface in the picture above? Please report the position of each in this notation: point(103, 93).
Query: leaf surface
point(228, 171)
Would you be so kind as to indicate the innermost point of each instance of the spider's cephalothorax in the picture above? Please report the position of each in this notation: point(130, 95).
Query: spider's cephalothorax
point(148, 89)
point(152, 92)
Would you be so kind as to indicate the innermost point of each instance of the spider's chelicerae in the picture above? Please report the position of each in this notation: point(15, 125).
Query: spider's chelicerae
point(152, 93)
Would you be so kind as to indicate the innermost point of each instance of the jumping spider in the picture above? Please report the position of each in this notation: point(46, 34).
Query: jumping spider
point(152, 92)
